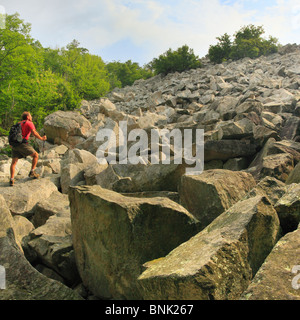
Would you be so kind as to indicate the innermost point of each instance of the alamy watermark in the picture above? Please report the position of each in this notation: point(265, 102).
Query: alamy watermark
point(2, 17)
point(134, 147)
point(2, 278)
point(295, 280)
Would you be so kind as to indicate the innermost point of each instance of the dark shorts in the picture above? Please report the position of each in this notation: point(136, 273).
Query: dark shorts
point(22, 151)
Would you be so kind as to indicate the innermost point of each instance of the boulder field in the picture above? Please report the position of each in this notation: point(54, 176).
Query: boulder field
point(151, 230)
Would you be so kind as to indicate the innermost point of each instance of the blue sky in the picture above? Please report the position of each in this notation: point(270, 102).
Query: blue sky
point(140, 30)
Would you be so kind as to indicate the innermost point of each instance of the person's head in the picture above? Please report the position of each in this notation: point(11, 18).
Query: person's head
point(26, 116)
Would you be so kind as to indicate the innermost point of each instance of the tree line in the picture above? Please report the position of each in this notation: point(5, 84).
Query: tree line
point(44, 80)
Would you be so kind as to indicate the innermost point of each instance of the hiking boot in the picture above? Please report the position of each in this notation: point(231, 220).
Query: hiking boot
point(33, 175)
point(11, 182)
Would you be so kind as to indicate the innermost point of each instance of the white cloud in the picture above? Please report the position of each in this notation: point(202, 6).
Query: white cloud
point(161, 26)
point(282, 21)
point(154, 25)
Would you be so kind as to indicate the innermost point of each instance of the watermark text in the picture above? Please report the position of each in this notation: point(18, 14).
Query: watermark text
point(2, 278)
point(296, 279)
point(157, 146)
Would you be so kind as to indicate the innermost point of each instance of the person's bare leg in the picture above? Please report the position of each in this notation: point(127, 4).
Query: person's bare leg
point(13, 170)
point(35, 158)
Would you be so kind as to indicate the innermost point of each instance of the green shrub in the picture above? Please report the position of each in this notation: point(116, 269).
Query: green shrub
point(221, 51)
point(125, 74)
point(248, 42)
point(171, 61)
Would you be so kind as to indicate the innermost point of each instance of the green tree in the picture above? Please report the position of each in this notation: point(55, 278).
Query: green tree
point(248, 42)
point(53, 60)
point(221, 51)
point(171, 61)
point(18, 61)
point(249, 32)
point(25, 83)
point(124, 74)
point(86, 73)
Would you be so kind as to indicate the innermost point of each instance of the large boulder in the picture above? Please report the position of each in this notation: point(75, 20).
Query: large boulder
point(278, 166)
point(73, 166)
point(291, 129)
point(92, 143)
point(271, 187)
point(57, 203)
point(6, 218)
point(140, 177)
point(227, 149)
point(285, 97)
point(235, 164)
point(294, 175)
point(288, 208)
point(285, 146)
point(250, 106)
point(22, 281)
point(22, 168)
point(22, 198)
point(67, 127)
point(226, 107)
point(276, 159)
point(72, 174)
point(220, 261)
point(278, 277)
point(22, 227)
point(236, 129)
point(211, 193)
point(51, 244)
point(114, 235)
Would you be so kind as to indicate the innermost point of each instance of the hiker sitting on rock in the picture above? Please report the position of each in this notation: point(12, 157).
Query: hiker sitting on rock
point(24, 149)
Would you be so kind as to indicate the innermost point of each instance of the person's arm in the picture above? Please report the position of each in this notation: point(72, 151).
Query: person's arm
point(36, 134)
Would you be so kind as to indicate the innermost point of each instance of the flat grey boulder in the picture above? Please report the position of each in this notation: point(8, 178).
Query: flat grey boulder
point(114, 235)
point(214, 191)
point(220, 261)
point(67, 127)
point(22, 281)
point(24, 195)
point(51, 244)
point(288, 208)
point(227, 149)
point(139, 178)
point(57, 203)
point(278, 277)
